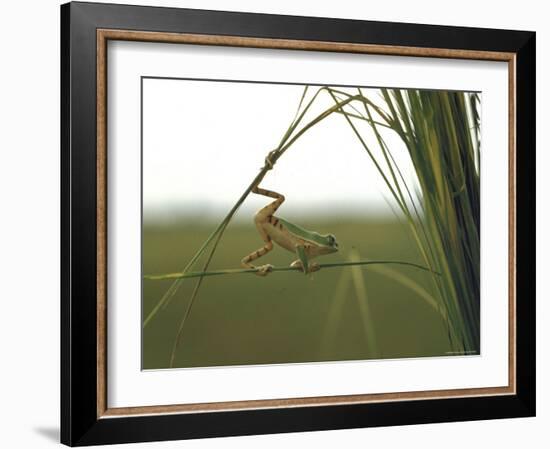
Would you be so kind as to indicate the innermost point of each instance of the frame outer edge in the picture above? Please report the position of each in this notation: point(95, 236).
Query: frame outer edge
point(79, 264)
point(65, 378)
point(526, 223)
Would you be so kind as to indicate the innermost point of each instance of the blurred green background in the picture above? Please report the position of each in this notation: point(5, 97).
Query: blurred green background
point(289, 317)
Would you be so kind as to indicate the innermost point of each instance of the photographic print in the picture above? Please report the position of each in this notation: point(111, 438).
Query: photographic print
point(288, 223)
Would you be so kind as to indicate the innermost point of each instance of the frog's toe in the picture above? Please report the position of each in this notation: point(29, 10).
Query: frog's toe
point(264, 270)
point(314, 266)
point(298, 264)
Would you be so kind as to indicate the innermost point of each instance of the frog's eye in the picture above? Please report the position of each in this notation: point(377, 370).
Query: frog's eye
point(331, 239)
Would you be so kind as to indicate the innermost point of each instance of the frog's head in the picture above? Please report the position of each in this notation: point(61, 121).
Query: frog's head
point(330, 245)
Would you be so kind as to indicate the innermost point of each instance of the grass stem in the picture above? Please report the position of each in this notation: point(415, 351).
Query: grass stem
point(191, 274)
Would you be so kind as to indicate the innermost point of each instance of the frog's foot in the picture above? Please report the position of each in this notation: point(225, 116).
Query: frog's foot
point(264, 270)
point(313, 266)
point(297, 264)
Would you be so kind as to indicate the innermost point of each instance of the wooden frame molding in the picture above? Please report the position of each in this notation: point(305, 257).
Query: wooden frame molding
point(105, 35)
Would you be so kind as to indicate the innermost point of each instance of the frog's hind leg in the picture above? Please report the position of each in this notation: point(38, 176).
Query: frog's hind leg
point(263, 270)
point(266, 212)
point(264, 215)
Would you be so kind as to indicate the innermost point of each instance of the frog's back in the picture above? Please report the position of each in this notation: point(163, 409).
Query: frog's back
point(282, 233)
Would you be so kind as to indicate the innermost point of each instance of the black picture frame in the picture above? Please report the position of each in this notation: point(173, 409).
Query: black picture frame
point(80, 423)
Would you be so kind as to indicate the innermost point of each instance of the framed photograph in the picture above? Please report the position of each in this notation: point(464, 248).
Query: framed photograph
point(278, 224)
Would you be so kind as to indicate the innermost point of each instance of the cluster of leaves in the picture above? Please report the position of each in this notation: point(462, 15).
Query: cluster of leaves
point(440, 130)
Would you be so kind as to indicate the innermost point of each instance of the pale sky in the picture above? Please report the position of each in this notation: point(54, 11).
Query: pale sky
point(203, 143)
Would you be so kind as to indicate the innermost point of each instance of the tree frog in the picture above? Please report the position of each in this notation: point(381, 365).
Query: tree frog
point(306, 244)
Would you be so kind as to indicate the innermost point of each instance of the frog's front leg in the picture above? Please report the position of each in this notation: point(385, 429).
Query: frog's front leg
point(303, 262)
